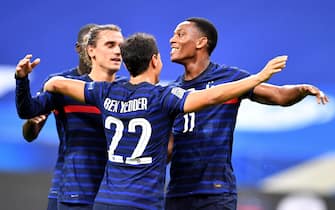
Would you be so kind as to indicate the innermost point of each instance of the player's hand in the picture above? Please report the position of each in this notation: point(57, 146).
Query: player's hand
point(32, 127)
point(312, 90)
point(25, 66)
point(273, 66)
point(37, 119)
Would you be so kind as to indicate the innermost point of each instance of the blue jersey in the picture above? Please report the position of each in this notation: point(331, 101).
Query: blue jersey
point(137, 120)
point(82, 146)
point(201, 158)
point(41, 105)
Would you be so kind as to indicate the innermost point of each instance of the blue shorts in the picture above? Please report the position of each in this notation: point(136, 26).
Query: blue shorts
point(224, 201)
point(52, 204)
point(74, 206)
point(101, 206)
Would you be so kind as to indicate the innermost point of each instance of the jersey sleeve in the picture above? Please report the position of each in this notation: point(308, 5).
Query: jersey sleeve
point(94, 93)
point(174, 100)
point(28, 106)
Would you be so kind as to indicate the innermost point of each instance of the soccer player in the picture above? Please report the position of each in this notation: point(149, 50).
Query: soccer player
point(82, 148)
point(138, 118)
point(32, 127)
point(201, 170)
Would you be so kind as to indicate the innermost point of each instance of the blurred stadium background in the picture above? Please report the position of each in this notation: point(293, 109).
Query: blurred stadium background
point(284, 158)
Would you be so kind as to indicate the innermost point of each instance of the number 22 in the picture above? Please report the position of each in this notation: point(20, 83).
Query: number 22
point(134, 159)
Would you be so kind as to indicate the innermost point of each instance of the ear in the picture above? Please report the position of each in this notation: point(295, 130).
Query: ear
point(202, 42)
point(154, 60)
point(90, 51)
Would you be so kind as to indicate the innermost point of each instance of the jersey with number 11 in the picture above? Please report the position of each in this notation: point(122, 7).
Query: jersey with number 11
point(202, 150)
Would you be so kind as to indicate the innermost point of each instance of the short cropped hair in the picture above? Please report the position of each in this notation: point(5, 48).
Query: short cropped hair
point(207, 29)
point(137, 51)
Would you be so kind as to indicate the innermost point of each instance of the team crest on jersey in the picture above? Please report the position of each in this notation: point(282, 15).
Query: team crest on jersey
point(179, 92)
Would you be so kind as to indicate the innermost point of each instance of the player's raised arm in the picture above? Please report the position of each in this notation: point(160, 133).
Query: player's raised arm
point(221, 93)
point(70, 87)
point(287, 95)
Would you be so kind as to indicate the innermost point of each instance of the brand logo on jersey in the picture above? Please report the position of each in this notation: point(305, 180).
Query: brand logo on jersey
point(217, 185)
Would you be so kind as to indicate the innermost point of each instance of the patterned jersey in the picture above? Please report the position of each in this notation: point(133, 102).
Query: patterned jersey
point(137, 120)
point(82, 146)
point(201, 158)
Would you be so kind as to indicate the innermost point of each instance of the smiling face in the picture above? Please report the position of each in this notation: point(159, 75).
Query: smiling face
point(106, 53)
point(184, 42)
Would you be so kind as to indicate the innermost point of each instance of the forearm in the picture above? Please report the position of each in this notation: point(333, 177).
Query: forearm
point(22, 96)
point(292, 94)
point(228, 91)
point(69, 87)
point(286, 95)
point(26, 106)
point(220, 93)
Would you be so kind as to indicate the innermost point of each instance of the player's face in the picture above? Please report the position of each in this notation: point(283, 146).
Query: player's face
point(183, 43)
point(107, 53)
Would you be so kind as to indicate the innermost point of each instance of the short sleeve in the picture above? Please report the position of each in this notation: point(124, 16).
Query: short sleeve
point(94, 93)
point(174, 99)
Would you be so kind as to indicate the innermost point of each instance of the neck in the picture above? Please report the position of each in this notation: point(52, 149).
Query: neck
point(144, 77)
point(102, 76)
point(195, 68)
